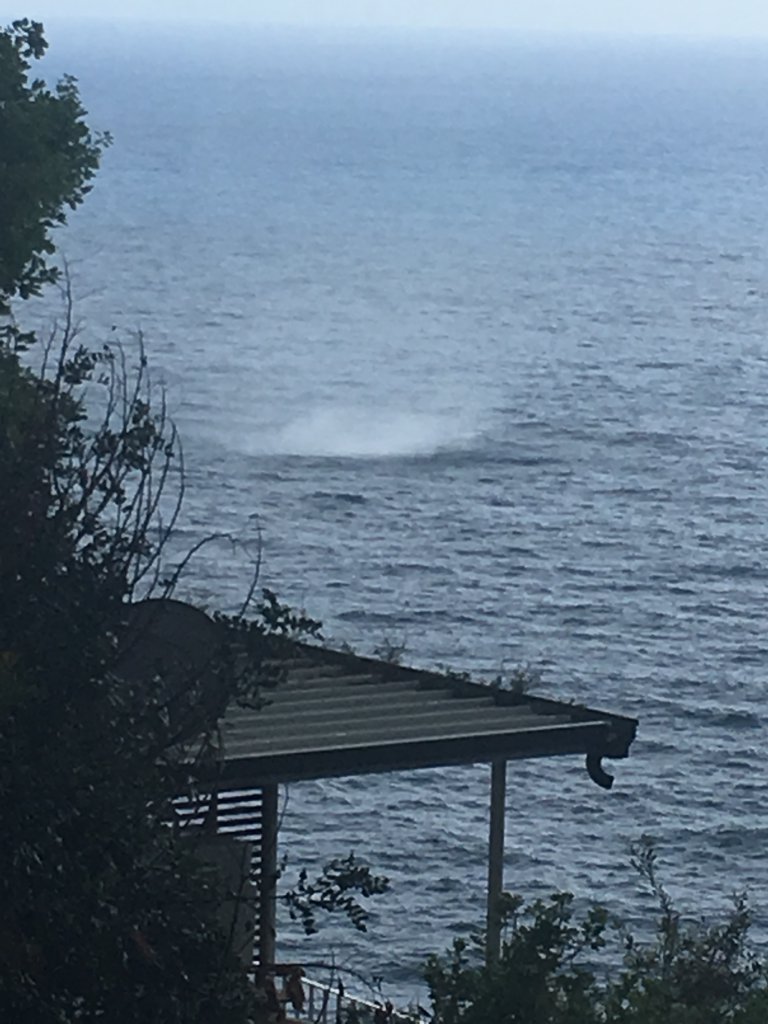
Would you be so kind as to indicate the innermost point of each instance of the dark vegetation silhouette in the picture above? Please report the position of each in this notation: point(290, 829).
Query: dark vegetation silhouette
point(107, 912)
point(559, 965)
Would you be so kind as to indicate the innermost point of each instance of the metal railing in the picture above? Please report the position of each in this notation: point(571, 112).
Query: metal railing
point(330, 1004)
point(297, 998)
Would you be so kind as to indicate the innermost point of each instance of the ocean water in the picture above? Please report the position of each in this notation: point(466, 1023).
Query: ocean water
point(473, 334)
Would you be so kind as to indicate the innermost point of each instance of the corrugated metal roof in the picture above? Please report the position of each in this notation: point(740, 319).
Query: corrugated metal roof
point(339, 714)
point(334, 713)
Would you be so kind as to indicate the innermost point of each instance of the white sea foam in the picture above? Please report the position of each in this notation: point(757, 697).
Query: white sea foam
point(357, 432)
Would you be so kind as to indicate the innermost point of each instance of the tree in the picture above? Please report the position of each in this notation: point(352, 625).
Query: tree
point(48, 156)
point(106, 912)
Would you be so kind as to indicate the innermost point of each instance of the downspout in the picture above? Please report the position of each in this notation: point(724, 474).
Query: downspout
point(596, 771)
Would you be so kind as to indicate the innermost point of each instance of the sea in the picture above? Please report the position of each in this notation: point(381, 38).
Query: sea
point(466, 339)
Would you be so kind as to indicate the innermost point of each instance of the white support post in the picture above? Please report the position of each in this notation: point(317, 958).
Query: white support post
point(495, 860)
point(268, 878)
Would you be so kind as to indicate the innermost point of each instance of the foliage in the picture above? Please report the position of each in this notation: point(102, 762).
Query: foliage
point(551, 969)
point(390, 650)
point(48, 156)
point(333, 891)
point(283, 621)
point(538, 978)
point(79, 522)
point(106, 914)
point(519, 680)
point(693, 972)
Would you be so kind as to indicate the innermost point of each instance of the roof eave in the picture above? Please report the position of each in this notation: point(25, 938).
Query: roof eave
point(594, 738)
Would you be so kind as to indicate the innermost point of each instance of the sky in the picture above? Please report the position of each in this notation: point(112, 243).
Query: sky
point(627, 17)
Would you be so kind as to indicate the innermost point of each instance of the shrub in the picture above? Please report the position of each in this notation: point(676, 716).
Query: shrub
point(556, 967)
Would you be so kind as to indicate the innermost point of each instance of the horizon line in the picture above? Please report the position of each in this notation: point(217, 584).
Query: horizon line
point(508, 32)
